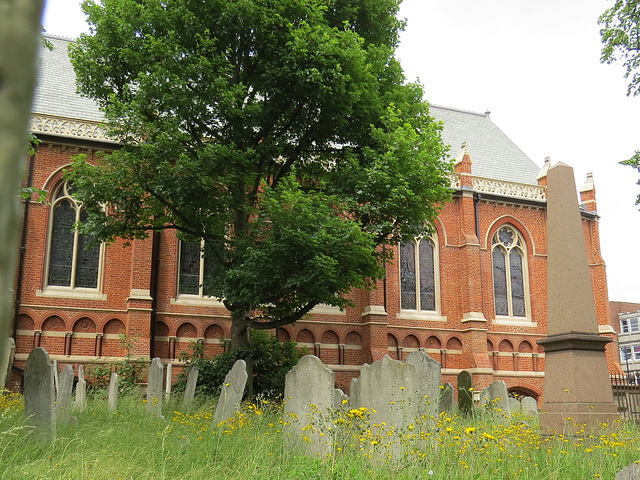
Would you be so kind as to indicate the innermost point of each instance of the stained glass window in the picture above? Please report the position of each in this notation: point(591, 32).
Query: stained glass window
point(194, 269)
point(70, 264)
point(509, 273)
point(417, 275)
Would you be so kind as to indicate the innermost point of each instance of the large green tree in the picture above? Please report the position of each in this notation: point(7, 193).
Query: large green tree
point(621, 43)
point(281, 132)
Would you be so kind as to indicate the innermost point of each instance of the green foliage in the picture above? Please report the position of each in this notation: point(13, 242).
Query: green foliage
point(621, 39)
point(282, 132)
point(271, 360)
point(131, 371)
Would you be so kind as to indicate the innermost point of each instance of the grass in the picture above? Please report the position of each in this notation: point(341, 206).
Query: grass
point(129, 444)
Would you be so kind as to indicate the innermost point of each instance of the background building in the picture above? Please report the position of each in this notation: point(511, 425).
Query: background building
point(472, 294)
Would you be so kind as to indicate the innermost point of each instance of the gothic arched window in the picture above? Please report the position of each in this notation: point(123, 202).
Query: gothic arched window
point(70, 264)
point(418, 269)
point(509, 272)
point(194, 267)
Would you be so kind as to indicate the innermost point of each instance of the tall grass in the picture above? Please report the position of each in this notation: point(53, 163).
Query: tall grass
point(130, 444)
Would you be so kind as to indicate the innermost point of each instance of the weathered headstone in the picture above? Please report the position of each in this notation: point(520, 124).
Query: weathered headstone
point(56, 378)
point(339, 398)
point(499, 397)
point(39, 394)
point(309, 394)
point(167, 388)
point(514, 406)
point(6, 362)
point(81, 390)
point(154, 387)
point(529, 406)
point(192, 382)
point(465, 393)
point(631, 472)
point(231, 392)
point(113, 392)
point(574, 350)
point(445, 403)
point(425, 382)
point(63, 400)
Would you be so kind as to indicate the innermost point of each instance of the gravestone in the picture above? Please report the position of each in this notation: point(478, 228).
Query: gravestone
point(514, 406)
point(499, 397)
point(631, 472)
point(465, 393)
point(574, 350)
point(81, 390)
point(340, 398)
point(445, 404)
point(56, 379)
point(529, 406)
point(425, 382)
point(63, 400)
point(39, 394)
point(192, 382)
point(167, 388)
point(6, 362)
point(113, 392)
point(154, 387)
point(231, 392)
point(309, 394)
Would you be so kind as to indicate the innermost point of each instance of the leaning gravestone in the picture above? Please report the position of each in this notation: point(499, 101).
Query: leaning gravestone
point(154, 387)
point(39, 394)
point(445, 403)
point(63, 401)
point(113, 392)
point(231, 392)
point(6, 362)
point(465, 393)
point(81, 390)
point(192, 382)
point(309, 394)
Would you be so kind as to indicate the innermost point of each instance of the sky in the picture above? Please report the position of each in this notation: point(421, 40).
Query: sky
point(535, 65)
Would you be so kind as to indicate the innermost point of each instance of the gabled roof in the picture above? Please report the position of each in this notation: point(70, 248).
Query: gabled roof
point(55, 93)
point(493, 154)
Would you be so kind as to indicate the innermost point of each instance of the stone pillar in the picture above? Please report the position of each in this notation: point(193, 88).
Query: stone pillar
point(577, 389)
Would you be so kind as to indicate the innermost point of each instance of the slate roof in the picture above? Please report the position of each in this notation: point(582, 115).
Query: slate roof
point(493, 154)
point(56, 88)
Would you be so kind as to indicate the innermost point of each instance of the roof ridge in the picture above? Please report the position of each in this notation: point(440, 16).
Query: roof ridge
point(454, 109)
point(59, 37)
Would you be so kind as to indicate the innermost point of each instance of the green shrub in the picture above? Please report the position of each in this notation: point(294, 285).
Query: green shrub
point(271, 360)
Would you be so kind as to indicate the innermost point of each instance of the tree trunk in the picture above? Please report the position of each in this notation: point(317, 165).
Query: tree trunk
point(239, 328)
point(19, 40)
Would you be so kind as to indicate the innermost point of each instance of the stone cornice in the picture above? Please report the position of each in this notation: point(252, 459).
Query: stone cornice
point(503, 188)
point(69, 128)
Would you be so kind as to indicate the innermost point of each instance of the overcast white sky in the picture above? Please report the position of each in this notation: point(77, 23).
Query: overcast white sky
point(535, 65)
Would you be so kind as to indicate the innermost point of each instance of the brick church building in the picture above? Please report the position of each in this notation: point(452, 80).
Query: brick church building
point(472, 295)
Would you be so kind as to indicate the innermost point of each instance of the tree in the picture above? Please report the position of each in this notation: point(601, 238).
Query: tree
point(621, 43)
point(280, 132)
point(19, 38)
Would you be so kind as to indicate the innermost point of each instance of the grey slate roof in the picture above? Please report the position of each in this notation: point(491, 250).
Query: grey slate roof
point(56, 88)
point(493, 154)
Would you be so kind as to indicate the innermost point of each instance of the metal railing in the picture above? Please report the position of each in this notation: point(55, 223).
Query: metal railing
point(626, 393)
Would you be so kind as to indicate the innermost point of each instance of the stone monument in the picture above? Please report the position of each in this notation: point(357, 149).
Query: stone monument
point(577, 389)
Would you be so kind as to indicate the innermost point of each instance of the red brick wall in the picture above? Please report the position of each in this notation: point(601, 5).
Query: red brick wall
point(493, 350)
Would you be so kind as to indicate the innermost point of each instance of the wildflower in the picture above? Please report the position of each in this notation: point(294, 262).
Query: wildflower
point(469, 430)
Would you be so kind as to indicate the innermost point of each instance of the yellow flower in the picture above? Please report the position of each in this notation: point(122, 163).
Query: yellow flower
point(469, 430)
